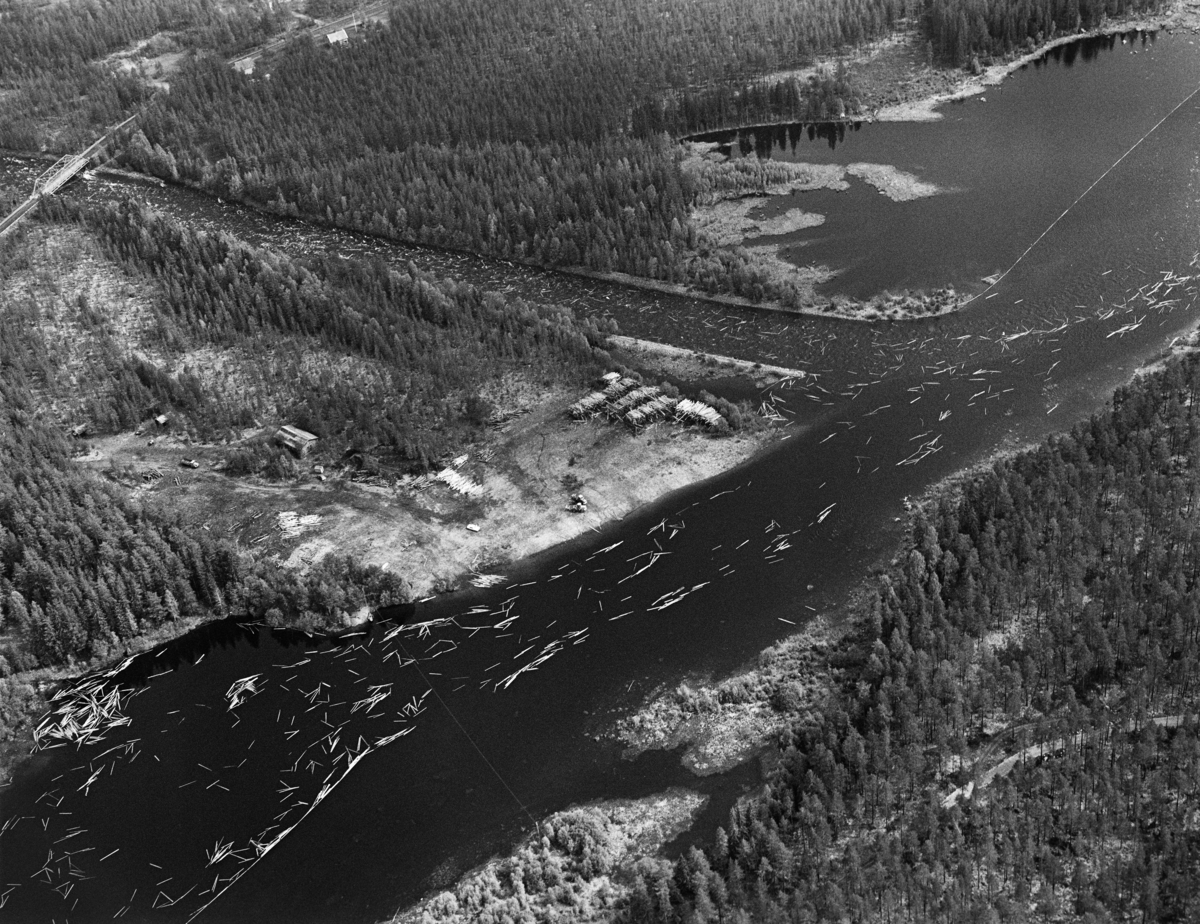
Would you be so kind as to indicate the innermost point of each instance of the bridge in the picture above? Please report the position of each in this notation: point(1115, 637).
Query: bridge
point(61, 173)
point(69, 165)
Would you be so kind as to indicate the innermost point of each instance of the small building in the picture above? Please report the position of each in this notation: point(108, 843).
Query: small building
point(294, 439)
point(338, 38)
point(162, 420)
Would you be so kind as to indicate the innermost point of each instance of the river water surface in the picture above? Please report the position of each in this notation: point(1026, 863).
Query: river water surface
point(269, 777)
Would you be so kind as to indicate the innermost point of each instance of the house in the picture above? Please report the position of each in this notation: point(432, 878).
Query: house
point(338, 38)
point(295, 439)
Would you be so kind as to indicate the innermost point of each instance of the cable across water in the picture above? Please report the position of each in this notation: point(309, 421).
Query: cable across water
point(1093, 185)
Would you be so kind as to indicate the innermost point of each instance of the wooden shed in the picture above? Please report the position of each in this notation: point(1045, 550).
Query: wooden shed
point(295, 439)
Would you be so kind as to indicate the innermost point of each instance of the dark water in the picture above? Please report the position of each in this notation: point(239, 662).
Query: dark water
point(1010, 159)
point(887, 411)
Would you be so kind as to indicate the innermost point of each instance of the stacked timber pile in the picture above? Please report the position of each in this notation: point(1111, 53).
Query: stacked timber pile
point(657, 408)
point(459, 482)
point(618, 409)
point(689, 411)
point(640, 406)
point(591, 405)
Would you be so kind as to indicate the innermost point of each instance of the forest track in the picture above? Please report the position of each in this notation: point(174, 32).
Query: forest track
point(1045, 749)
point(376, 12)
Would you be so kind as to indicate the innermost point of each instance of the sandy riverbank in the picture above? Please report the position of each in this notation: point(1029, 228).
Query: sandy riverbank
point(512, 500)
point(526, 475)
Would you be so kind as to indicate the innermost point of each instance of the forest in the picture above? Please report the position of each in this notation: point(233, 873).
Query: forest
point(85, 570)
point(414, 351)
point(56, 89)
point(534, 131)
point(1053, 599)
point(1047, 606)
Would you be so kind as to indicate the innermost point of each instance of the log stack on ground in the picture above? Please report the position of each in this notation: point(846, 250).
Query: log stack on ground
point(591, 405)
point(641, 405)
point(689, 411)
point(657, 408)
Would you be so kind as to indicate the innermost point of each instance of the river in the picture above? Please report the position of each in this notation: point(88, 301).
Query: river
point(188, 803)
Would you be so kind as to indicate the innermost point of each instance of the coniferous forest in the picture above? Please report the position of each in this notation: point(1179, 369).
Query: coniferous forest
point(431, 343)
point(1053, 601)
point(84, 570)
point(1013, 734)
point(56, 87)
point(1048, 607)
point(535, 130)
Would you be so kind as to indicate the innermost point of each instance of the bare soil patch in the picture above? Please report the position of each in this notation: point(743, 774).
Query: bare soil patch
point(418, 528)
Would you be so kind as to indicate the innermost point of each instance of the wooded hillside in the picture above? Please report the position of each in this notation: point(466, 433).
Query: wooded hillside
point(55, 87)
point(1055, 601)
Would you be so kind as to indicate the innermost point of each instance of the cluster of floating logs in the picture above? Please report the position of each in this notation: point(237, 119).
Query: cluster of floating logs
point(641, 405)
point(241, 690)
point(83, 714)
point(317, 716)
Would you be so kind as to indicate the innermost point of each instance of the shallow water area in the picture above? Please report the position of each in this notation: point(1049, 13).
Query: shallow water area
point(1009, 160)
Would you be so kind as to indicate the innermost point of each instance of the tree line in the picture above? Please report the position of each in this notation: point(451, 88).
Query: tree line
point(59, 90)
point(414, 351)
point(530, 130)
point(961, 29)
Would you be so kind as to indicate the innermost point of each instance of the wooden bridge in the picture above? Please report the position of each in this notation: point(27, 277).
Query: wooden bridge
point(61, 173)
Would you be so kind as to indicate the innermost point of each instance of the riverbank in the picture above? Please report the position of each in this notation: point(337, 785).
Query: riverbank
point(725, 723)
point(437, 539)
point(512, 500)
point(921, 105)
point(572, 869)
point(749, 204)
